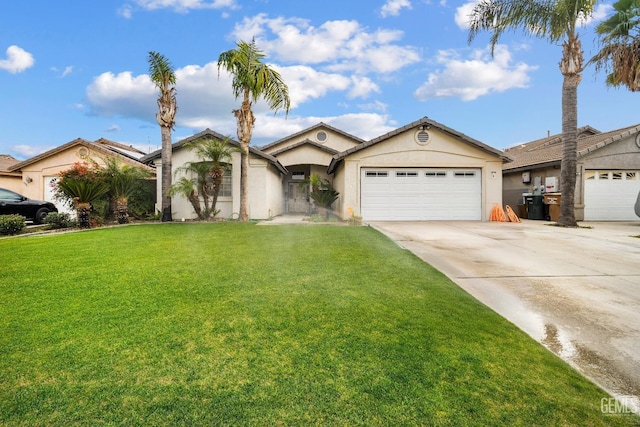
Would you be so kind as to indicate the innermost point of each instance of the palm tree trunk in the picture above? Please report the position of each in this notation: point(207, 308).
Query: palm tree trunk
point(122, 210)
point(246, 120)
point(83, 211)
point(571, 67)
point(166, 173)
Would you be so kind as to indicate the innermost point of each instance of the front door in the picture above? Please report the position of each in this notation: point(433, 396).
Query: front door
point(298, 198)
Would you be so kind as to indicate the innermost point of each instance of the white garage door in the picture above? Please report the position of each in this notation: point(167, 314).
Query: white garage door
point(611, 195)
point(421, 194)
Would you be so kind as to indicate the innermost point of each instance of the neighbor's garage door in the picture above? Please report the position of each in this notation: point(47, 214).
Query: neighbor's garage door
point(421, 194)
point(611, 195)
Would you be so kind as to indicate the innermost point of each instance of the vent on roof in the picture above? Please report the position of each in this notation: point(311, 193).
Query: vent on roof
point(83, 152)
point(321, 136)
point(422, 137)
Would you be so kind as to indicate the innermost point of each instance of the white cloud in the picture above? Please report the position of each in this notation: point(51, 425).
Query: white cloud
point(67, 70)
point(480, 75)
point(185, 5)
point(306, 83)
point(17, 60)
point(335, 45)
point(462, 14)
point(28, 151)
point(393, 7)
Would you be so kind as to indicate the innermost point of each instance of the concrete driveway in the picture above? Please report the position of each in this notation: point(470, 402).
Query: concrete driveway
point(577, 291)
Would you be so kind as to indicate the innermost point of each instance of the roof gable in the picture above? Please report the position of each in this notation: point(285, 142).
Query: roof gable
point(318, 126)
point(100, 148)
point(6, 161)
point(425, 121)
point(304, 142)
point(208, 133)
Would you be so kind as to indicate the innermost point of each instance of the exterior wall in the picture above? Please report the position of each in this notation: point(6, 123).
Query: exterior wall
point(334, 140)
point(513, 187)
point(305, 155)
point(12, 182)
point(265, 197)
point(403, 151)
point(34, 174)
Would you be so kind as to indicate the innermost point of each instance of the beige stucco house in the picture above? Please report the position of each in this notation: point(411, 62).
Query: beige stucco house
point(38, 174)
point(421, 171)
point(265, 180)
point(608, 172)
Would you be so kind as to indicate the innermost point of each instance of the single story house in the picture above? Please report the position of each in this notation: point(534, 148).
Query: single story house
point(421, 171)
point(38, 174)
point(608, 172)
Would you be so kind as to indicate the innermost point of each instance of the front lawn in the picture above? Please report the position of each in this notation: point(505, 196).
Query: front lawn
point(238, 324)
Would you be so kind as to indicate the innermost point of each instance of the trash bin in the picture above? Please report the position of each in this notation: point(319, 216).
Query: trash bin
point(535, 207)
point(522, 210)
point(552, 200)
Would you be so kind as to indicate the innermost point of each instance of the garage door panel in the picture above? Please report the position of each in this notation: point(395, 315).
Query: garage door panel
point(421, 194)
point(611, 195)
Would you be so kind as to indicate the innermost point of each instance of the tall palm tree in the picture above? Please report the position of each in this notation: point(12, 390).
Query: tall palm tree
point(555, 21)
point(620, 38)
point(162, 75)
point(252, 80)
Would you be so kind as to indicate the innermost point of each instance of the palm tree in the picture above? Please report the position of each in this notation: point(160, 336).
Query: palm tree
point(124, 182)
point(82, 192)
point(252, 80)
point(187, 188)
point(162, 75)
point(201, 172)
point(555, 21)
point(215, 154)
point(620, 53)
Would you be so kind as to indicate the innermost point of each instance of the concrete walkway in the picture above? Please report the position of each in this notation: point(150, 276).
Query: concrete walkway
point(577, 291)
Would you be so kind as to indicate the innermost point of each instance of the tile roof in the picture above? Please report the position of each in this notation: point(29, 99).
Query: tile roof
point(7, 161)
point(548, 151)
point(97, 146)
point(213, 134)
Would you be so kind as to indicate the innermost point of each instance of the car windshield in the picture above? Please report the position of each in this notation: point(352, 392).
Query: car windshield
point(9, 195)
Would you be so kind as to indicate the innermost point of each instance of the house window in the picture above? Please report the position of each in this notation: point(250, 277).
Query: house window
point(589, 175)
point(464, 174)
point(297, 176)
point(617, 175)
point(370, 174)
point(435, 174)
point(406, 174)
point(226, 187)
point(603, 175)
point(632, 176)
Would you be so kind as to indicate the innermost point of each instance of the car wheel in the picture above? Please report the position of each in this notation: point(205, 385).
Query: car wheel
point(41, 215)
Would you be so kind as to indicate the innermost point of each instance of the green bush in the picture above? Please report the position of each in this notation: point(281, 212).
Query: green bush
point(12, 224)
point(57, 220)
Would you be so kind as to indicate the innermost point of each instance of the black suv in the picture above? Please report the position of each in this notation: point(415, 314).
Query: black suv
point(34, 210)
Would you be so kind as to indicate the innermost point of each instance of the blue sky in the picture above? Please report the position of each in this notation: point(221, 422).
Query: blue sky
point(78, 69)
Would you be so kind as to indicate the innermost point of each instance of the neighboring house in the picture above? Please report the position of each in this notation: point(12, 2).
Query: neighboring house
point(608, 172)
point(9, 180)
point(421, 171)
point(38, 174)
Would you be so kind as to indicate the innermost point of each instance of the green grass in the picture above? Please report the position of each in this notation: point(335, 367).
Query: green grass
point(238, 324)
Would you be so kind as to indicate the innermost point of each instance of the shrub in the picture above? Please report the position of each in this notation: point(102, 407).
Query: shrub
point(12, 224)
point(57, 220)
